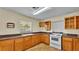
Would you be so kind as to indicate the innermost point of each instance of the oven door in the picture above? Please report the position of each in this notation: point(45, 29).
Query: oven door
point(55, 42)
point(54, 39)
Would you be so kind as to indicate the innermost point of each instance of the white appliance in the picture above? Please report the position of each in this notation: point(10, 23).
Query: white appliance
point(55, 40)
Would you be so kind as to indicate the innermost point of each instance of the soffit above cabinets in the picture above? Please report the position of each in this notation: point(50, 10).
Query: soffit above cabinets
point(54, 11)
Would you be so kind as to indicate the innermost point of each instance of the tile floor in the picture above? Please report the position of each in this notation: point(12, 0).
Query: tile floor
point(42, 47)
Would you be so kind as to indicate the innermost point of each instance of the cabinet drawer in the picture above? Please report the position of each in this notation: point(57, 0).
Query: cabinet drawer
point(68, 39)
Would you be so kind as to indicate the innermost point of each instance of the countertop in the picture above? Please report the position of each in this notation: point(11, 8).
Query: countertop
point(71, 35)
point(17, 36)
point(3, 37)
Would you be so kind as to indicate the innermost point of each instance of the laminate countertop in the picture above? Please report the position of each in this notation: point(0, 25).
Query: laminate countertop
point(71, 35)
point(17, 36)
point(12, 36)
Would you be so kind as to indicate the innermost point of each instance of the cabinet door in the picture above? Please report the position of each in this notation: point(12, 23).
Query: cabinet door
point(7, 45)
point(19, 44)
point(45, 38)
point(27, 42)
point(67, 21)
point(67, 44)
point(41, 38)
point(40, 24)
point(77, 22)
point(72, 23)
point(45, 24)
point(48, 24)
point(35, 39)
point(76, 44)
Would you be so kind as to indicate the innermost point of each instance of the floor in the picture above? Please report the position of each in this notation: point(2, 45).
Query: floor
point(42, 47)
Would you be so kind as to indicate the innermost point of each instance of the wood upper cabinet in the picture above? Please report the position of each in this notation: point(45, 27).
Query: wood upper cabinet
point(45, 24)
point(48, 25)
point(67, 44)
point(45, 38)
point(41, 24)
point(67, 21)
point(77, 22)
point(27, 42)
point(76, 44)
point(35, 39)
point(19, 44)
point(7, 45)
point(72, 22)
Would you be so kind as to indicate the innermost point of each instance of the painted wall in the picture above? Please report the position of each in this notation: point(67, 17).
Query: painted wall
point(58, 23)
point(9, 16)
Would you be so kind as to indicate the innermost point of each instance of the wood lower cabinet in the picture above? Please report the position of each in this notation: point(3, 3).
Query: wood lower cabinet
point(27, 42)
point(19, 44)
point(23, 43)
point(7, 45)
point(70, 44)
point(45, 38)
point(67, 44)
point(76, 44)
point(35, 39)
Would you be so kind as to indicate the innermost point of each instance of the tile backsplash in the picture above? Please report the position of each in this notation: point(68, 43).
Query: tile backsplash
point(72, 31)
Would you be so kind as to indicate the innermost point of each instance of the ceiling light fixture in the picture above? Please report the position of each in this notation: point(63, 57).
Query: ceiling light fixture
point(41, 10)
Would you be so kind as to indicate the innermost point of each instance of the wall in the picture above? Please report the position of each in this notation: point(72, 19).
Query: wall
point(10, 16)
point(60, 27)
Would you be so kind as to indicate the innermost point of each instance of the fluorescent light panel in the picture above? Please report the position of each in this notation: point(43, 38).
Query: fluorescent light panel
point(41, 10)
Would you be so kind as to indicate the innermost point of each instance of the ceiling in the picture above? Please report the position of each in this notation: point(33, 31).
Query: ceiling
point(53, 11)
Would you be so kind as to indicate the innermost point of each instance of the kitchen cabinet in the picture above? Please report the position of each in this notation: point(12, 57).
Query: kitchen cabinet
point(27, 42)
point(19, 44)
point(67, 44)
point(76, 44)
point(70, 44)
point(45, 38)
point(41, 24)
point(48, 25)
point(77, 22)
point(7, 45)
point(45, 24)
point(72, 22)
point(67, 21)
point(35, 39)
point(23, 43)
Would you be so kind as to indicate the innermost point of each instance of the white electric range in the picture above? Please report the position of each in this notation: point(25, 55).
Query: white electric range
point(55, 40)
